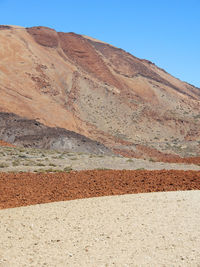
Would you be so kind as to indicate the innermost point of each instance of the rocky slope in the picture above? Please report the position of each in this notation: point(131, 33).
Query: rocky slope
point(81, 84)
point(30, 133)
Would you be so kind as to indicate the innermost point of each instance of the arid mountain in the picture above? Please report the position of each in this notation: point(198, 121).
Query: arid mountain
point(81, 84)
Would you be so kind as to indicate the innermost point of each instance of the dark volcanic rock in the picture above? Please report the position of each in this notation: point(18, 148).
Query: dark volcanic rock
point(31, 133)
point(4, 27)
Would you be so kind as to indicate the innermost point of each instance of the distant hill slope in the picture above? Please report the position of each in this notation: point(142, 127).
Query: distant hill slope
point(81, 84)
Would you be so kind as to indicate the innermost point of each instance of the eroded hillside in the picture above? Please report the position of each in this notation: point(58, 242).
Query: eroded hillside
point(83, 85)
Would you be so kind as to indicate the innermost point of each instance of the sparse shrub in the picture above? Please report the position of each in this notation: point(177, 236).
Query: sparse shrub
point(197, 116)
point(39, 170)
point(70, 154)
point(55, 157)
point(40, 164)
point(27, 164)
point(68, 169)
point(22, 156)
point(4, 165)
point(16, 163)
point(52, 165)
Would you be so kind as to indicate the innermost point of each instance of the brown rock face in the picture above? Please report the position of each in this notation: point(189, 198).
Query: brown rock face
point(97, 90)
point(44, 36)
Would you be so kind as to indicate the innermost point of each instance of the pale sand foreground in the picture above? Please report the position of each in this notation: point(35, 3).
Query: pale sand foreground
point(153, 229)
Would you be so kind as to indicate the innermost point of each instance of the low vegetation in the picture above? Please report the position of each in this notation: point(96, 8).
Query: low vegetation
point(40, 160)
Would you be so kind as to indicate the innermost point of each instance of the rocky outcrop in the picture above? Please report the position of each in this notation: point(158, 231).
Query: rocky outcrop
point(30, 133)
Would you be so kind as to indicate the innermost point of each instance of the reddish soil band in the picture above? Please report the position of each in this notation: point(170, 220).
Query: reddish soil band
point(3, 143)
point(157, 156)
point(22, 189)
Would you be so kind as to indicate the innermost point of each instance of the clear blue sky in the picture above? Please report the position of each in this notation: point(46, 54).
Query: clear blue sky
point(167, 32)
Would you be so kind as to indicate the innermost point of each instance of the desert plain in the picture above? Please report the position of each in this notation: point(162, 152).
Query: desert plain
point(69, 215)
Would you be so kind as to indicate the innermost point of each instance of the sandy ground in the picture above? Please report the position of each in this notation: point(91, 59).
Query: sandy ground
point(153, 229)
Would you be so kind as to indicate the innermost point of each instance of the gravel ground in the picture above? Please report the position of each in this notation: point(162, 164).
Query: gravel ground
point(23, 189)
point(154, 229)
